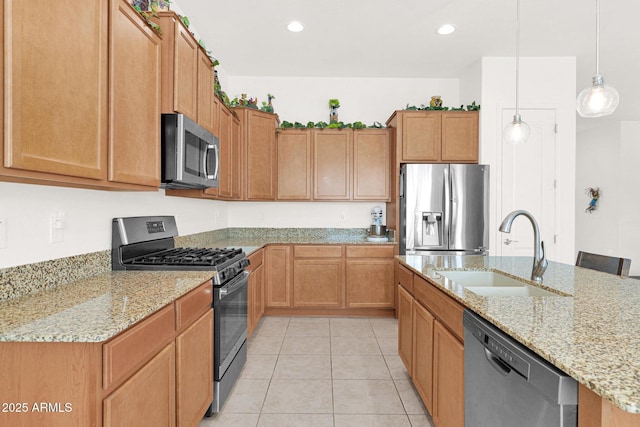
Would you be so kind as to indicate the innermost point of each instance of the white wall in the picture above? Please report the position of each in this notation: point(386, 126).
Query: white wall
point(607, 158)
point(544, 83)
point(88, 214)
point(305, 99)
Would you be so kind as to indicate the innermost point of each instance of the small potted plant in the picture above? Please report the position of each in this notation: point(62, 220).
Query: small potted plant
point(334, 104)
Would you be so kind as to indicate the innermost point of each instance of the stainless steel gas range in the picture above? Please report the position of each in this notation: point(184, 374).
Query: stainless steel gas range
point(148, 243)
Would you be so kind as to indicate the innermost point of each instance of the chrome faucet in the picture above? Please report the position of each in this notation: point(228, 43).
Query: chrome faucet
point(539, 261)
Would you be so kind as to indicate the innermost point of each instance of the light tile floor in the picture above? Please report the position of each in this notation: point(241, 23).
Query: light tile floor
point(323, 372)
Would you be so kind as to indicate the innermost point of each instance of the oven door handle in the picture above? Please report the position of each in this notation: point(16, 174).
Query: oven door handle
point(234, 285)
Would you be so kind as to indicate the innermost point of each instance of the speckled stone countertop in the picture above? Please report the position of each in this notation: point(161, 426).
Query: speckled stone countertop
point(79, 298)
point(93, 309)
point(592, 333)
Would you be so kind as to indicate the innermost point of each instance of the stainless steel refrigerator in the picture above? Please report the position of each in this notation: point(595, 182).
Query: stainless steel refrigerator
point(444, 209)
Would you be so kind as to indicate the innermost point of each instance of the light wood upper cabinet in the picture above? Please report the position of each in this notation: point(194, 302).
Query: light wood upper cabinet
point(332, 164)
point(134, 93)
point(258, 142)
point(371, 164)
point(436, 136)
point(55, 89)
point(225, 167)
point(205, 95)
point(460, 137)
point(294, 164)
point(179, 67)
point(236, 160)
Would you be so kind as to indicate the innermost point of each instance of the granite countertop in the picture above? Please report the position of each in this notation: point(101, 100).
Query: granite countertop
point(591, 330)
point(79, 299)
point(93, 309)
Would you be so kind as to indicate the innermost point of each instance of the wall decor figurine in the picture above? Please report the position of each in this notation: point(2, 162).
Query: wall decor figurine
point(436, 101)
point(334, 104)
point(594, 193)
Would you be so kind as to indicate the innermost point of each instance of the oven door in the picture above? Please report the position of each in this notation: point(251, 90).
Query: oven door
point(230, 321)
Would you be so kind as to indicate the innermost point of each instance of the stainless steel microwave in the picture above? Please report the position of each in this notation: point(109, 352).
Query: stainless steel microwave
point(190, 154)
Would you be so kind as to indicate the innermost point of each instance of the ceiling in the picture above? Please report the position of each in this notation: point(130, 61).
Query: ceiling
point(382, 38)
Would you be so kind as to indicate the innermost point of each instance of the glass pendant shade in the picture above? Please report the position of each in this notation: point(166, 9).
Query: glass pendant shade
point(517, 131)
point(598, 99)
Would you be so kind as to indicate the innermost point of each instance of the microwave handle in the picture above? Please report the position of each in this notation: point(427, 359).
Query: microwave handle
point(204, 161)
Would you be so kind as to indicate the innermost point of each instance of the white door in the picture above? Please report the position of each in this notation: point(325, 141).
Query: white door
point(528, 175)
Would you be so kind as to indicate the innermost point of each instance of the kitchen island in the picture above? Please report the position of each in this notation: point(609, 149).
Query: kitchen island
point(590, 330)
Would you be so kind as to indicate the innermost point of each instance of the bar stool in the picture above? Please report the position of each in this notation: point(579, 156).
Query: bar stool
point(607, 264)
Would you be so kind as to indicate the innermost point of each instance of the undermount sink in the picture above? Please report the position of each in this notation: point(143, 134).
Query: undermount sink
point(492, 284)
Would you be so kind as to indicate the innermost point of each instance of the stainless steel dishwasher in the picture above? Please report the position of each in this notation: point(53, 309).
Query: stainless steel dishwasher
point(506, 385)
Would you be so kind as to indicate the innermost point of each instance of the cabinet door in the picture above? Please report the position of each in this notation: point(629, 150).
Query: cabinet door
point(371, 164)
point(236, 160)
point(448, 378)
point(332, 164)
point(318, 283)
point(134, 98)
point(224, 134)
point(55, 88)
point(370, 283)
point(405, 327)
point(422, 374)
point(294, 164)
point(278, 276)
point(205, 91)
point(185, 78)
point(148, 397)
point(194, 371)
point(421, 136)
point(460, 136)
point(258, 295)
point(260, 140)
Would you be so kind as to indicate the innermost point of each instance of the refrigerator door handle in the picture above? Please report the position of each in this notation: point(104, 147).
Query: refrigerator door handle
point(447, 209)
point(453, 206)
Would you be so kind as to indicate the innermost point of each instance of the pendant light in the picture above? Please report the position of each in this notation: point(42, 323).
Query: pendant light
point(599, 99)
point(517, 131)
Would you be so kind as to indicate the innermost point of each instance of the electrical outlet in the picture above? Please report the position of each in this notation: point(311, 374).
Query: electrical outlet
point(3, 233)
point(343, 215)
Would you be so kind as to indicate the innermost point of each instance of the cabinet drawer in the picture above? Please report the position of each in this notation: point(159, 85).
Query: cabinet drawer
point(255, 260)
point(370, 251)
point(192, 305)
point(311, 251)
point(405, 278)
point(442, 306)
point(125, 353)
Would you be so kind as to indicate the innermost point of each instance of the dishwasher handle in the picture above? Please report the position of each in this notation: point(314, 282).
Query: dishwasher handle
point(497, 363)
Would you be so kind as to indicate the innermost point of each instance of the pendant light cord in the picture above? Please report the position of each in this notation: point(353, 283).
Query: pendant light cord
point(597, 37)
point(518, 54)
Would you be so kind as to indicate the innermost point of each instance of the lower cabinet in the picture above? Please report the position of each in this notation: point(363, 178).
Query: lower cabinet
point(255, 294)
point(278, 276)
point(448, 378)
point(423, 355)
point(158, 372)
point(147, 398)
point(318, 276)
point(405, 328)
point(319, 279)
point(194, 371)
point(430, 346)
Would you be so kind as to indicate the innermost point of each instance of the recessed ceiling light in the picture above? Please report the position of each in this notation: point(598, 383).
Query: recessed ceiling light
point(446, 29)
point(295, 26)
